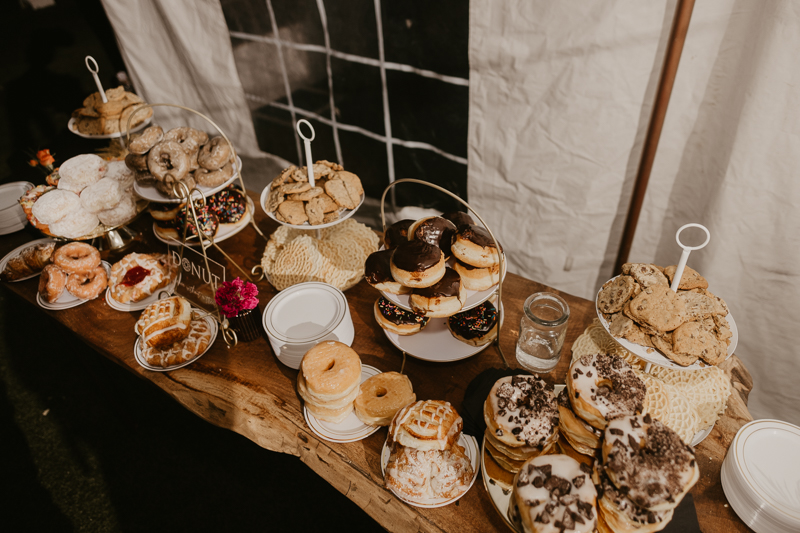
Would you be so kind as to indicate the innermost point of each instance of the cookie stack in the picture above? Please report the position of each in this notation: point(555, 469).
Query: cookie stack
point(685, 326)
point(328, 381)
point(293, 200)
point(102, 118)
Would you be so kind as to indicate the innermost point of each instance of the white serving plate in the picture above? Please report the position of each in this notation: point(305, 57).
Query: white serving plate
point(761, 476)
point(16, 251)
point(472, 450)
point(351, 429)
point(12, 216)
point(72, 128)
point(344, 214)
point(137, 349)
point(226, 231)
point(138, 306)
point(435, 343)
point(149, 192)
point(499, 499)
point(67, 300)
point(651, 355)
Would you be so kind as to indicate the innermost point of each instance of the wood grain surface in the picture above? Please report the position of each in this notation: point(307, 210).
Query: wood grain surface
point(246, 390)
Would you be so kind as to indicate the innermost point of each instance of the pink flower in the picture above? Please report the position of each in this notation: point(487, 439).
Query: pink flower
point(236, 296)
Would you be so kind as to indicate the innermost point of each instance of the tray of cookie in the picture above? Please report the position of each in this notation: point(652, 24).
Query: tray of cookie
point(97, 119)
point(689, 328)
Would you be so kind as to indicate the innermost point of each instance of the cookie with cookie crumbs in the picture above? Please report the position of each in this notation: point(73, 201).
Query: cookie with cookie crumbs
point(691, 279)
point(659, 307)
point(615, 293)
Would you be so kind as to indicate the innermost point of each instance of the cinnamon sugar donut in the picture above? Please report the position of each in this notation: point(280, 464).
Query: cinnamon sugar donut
point(88, 286)
point(330, 369)
point(52, 282)
point(649, 462)
point(77, 258)
point(381, 396)
point(602, 387)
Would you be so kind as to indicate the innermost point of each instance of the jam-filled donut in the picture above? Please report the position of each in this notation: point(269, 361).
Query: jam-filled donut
point(229, 205)
point(417, 264)
point(392, 318)
point(459, 218)
point(396, 234)
point(619, 514)
point(581, 436)
point(52, 283)
point(442, 299)
point(602, 387)
point(167, 157)
point(649, 462)
point(474, 246)
point(378, 273)
point(437, 231)
point(77, 257)
point(477, 326)
point(381, 396)
point(475, 278)
point(88, 286)
point(173, 229)
point(554, 493)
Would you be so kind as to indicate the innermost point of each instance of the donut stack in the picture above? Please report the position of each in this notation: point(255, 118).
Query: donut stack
point(223, 210)
point(600, 387)
point(170, 335)
point(183, 155)
point(75, 268)
point(426, 462)
point(645, 472)
point(521, 422)
point(328, 381)
point(84, 192)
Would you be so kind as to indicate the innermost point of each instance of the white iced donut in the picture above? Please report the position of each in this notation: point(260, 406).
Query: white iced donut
point(102, 195)
point(75, 225)
point(119, 171)
point(55, 205)
point(80, 172)
point(119, 214)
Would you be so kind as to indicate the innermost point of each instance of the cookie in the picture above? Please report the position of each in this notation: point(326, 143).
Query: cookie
point(336, 189)
point(648, 275)
point(331, 217)
point(691, 279)
point(723, 329)
point(722, 307)
point(284, 177)
point(615, 293)
point(314, 211)
point(328, 205)
point(294, 188)
point(624, 327)
point(305, 196)
point(293, 212)
point(664, 345)
point(692, 339)
point(699, 306)
point(274, 199)
point(658, 307)
point(352, 183)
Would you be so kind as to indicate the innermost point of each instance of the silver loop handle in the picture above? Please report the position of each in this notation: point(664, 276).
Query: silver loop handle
point(676, 280)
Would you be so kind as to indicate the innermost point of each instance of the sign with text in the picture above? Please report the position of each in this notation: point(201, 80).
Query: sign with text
point(198, 276)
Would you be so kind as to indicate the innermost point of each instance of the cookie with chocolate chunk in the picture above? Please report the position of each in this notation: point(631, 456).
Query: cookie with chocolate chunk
point(648, 275)
point(615, 293)
point(659, 307)
point(691, 279)
point(663, 344)
point(692, 339)
point(623, 327)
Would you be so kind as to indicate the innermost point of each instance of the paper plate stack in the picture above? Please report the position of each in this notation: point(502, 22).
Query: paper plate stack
point(12, 217)
point(761, 476)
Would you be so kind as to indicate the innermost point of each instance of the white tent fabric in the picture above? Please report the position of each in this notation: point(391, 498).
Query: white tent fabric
point(560, 94)
point(179, 52)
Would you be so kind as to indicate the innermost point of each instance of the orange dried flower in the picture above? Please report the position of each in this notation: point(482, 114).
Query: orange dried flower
point(45, 159)
point(33, 162)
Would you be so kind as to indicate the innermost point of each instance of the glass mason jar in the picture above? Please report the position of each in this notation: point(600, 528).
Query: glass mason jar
point(541, 331)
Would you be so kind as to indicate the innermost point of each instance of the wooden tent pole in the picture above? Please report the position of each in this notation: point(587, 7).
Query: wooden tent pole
point(680, 25)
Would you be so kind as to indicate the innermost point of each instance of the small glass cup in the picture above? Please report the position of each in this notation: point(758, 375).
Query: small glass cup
point(541, 331)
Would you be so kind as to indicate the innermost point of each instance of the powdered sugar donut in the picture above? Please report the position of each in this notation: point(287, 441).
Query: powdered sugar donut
point(100, 196)
point(119, 214)
point(119, 171)
point(75, 225)
point(80, 172)
point(55, 205)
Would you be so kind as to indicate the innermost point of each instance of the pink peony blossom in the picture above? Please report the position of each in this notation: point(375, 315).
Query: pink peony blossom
point(236, 296)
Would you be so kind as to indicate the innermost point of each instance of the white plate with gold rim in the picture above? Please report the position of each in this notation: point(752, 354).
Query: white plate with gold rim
point(74, 129)
point(67, 300)
point(18, 250)
point(351, 429)
point(344, 214)
point(137, 349)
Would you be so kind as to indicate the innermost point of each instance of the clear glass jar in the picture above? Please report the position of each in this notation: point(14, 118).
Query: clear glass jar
point(541, 331)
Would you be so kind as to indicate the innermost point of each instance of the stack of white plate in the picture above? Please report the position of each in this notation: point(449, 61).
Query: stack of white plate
point(761, 476)
point(12, 217)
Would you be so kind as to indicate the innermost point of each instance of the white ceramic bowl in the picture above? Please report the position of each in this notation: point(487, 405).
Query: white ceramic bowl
point(302, 316)
point(761, 476)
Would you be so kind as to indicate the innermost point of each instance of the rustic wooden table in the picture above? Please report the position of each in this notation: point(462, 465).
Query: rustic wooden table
point(246, 389)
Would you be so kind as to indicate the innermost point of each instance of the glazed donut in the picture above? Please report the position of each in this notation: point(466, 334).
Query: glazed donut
point(581, 436)
point(399, 321)
point(310, 399)
point(77, 258)
point(326, 414)
point(52, 282)
point(80, 171)
point(165, 187)
point(167, 157)
point(381, 396)
point(437, 231)
point(602, 387)
point(193, 164)
point(213, 178)
point(417, 264)
point(477, 326)
point(474, 245)
point(214, 154)
point(378, 273)
point(173, 229)
point(165, 212)
point(75, 225)
point(102, 195)
point(88, 286)
point(478, 279)
point(330, 369)
point(620, 514)
point(553, 493)
point(188, 138)
point(137, 276)
point(396, 233)
point(55, 205)
point(229, 205)
point(137, 162)
point(444, 298)
point(120, 213)
point(459, 218)
point(142, 143)
point(649, 462)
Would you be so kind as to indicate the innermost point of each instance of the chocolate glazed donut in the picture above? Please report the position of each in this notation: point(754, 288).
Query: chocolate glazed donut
point(442, 299)
point(396, 234)
point(434, 230)
point(474, 246)
point(476, 326)
point(400, 321)
point(417, 264)
point(378, 273)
